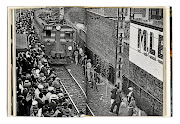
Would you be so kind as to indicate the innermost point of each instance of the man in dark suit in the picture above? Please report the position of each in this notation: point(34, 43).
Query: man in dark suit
point(113, 95)
point(117, 101)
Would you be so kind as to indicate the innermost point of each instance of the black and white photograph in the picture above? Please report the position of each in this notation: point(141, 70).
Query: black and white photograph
point(88, 61)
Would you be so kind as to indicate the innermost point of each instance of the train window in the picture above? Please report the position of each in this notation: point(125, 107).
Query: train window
point(119, 74)
point(48, 33)
point(68, 35)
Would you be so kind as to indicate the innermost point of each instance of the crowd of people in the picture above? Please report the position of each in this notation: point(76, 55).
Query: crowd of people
point(90, 71)
point(23, 21)
point(39, 92)
point(125, 105)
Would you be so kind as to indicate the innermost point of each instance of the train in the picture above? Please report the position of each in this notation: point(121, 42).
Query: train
point(59, 42)
point(58, 37)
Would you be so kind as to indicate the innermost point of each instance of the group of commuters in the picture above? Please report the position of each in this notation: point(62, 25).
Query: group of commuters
point(91, 72)
point(125, 105)
point(39, 92)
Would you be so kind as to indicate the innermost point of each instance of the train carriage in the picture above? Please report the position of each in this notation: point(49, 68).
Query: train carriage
point(59, 43)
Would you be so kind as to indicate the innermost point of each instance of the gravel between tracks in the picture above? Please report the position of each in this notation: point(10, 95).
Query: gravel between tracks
point(75, 93)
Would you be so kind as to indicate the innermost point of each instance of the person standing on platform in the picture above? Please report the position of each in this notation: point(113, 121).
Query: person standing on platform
point(124, 108)
point(97, 69)
point(117, 102)
point(130, 94)
point(93, 75)
point(76, 54)
point(113, 94)
point(81, 54)
point(84, 62)
point(89, 69)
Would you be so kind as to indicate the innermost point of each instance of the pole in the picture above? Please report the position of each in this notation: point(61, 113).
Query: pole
point(116, 46)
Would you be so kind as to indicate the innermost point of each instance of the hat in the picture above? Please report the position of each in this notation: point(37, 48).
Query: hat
point(40, 86)
point(34, 102)
point(53, 96)
point(60, 94)
point(41, 74)
point(57, 78)
point(66, 111)
point(27, 84)
point(43, 79)
point(50, 88)
point(26, 81)
point(130, 88)
point(89, 60)
point(65, 104)
point(66, 96)
point(118, 90)
point(45, 61)
point(52, 75)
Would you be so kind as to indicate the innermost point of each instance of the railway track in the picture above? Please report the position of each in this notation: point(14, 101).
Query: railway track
point(74, 90)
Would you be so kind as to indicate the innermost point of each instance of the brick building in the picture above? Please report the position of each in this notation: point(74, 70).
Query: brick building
point(142, 66)
point(101, 42)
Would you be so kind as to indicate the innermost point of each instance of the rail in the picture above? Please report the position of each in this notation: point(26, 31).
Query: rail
point(69, 97)
point(76, 82)
point(90, 110)
point(81, 90)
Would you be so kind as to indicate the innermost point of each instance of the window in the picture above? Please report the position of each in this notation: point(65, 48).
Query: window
point(152, 44)
point(119, 66)
point(160, 47)
point(67, 35)
point(48, 33)
point(121, 25)
point(122, 10)
point(126, 11)
point(120, 49)
point(119, 74)
point(120, 59)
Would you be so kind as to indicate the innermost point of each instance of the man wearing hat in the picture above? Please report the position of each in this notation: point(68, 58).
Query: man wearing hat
point(113, 93)
point(34, 108)
point(27, 84)
point(51, 90)
point(44, 67)
point(130, 94)
point(53, 97)
point(38, 90)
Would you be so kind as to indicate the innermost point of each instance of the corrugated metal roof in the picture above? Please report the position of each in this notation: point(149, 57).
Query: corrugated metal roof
point(21, 41)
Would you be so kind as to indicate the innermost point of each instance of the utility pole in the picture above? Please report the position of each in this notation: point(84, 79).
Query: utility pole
point(117, 46)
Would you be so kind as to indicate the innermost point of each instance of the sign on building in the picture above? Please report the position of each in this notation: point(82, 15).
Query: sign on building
point(146, 48)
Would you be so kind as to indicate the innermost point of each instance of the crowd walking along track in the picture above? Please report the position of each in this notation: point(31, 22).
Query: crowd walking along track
point(74, 90)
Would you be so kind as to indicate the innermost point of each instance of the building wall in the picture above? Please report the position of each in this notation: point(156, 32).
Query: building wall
point(148, 89)
point(101, 37)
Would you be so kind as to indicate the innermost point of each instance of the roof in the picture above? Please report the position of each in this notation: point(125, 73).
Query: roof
point(21, 41)
point(147, 25)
